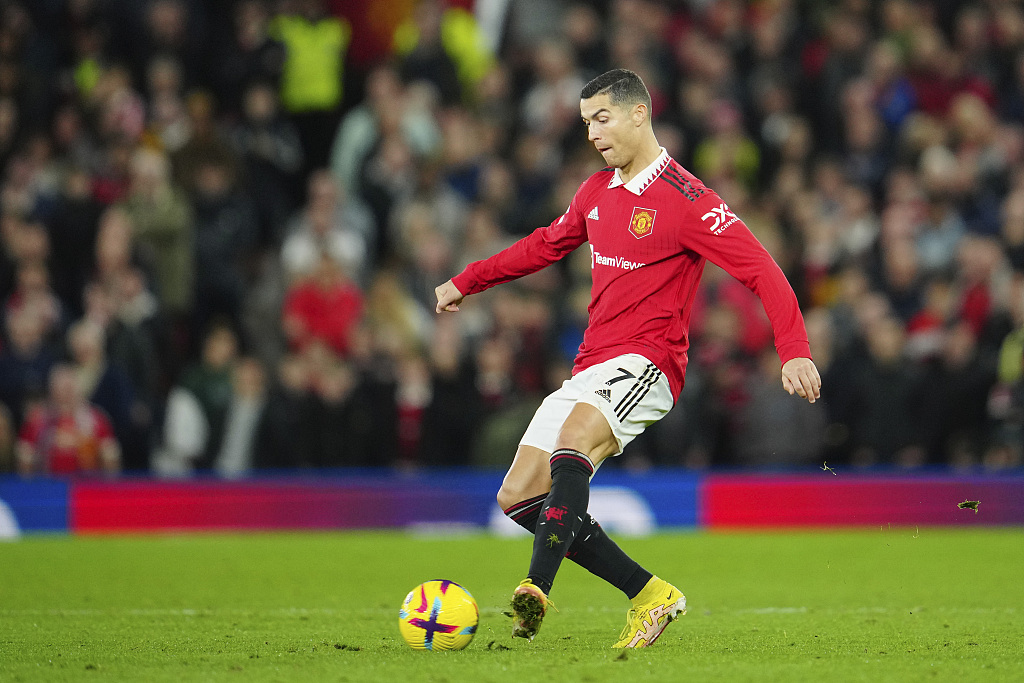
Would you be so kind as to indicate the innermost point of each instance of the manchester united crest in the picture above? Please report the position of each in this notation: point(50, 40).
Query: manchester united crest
point(642, 222)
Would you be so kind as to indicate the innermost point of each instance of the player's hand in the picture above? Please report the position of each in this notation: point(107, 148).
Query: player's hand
point(448, 297)
point(800, 377)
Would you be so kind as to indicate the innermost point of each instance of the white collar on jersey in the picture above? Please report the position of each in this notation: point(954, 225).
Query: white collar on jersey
point(642, 180)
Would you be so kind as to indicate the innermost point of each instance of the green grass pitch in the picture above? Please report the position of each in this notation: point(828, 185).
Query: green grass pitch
point(869, 605)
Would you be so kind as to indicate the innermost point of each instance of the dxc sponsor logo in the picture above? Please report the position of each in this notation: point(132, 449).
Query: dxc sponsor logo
point(721, 218)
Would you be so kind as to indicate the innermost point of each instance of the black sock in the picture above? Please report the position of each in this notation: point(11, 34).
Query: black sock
point(601, 556)
point(592, 549)
point(561, 515)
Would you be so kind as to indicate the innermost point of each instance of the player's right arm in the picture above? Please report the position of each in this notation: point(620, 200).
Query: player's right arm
point(540, 248)
point(448, 297)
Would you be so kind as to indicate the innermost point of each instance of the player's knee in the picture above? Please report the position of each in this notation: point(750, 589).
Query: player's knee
point(573, 435)
point(577, 439)
point(587, 430)
point(507, 497)
point(512, 492)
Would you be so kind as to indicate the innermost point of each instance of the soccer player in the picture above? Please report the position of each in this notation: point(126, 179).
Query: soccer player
point(651, 225)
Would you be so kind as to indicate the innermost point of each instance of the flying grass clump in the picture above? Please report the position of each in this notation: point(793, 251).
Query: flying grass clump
point(969, 505)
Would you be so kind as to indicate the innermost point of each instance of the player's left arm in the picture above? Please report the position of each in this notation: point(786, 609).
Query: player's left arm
point(800, 376)
point(712, 230)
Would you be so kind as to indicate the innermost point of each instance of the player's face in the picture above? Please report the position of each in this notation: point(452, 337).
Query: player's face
point(611, 128)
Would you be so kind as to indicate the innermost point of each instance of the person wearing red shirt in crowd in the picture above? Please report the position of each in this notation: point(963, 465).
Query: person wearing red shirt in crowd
point(651, 226)
point(67, 434)
point(324, 307)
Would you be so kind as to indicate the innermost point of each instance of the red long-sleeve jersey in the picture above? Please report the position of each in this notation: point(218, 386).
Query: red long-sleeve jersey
point(649, 240)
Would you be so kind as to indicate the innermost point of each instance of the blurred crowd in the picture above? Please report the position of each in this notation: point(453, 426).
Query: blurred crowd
point(222, 222)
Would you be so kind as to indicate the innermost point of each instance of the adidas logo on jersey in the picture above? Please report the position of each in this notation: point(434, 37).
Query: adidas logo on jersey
point(606, 394)
point(593, 214)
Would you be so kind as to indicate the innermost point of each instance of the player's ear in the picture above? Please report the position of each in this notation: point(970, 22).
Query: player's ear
point(639, 114)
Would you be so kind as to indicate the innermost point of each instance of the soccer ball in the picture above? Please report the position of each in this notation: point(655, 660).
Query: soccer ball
point(438, 615)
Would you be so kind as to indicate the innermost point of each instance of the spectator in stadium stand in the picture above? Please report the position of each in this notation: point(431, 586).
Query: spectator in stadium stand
point(982, 274)
point(447, 183)
point(32, 291)
point(72, 228)
point(774, 432)
point(207, 144)
point(1013, 227)
point(286, 406)
point(272, 156)
point(728, 153)
point(332, 224)
point(197, 406)
point(236, 456)
point(413, 394)
point(867, 147)
point(162, 229)
point(28, 242)
point(454, 413)
point(844, 47)
point(389, 178)
point(9, 128)
point(25, 362)
point(838, 367)
point(424, 248)
point(8, 440)
point(110, 177)
point(954, 395)
point(443, 45)
point(138, 339)
point(985, 151)
point(226, 446)
point(550, 106)
point(167, 121)
point(225, 241)
point(119, 109)
point(113, 251)
point(249, 57)
point(108, 386)
point(313, 73)
point(941, 228)
point(1006, 400)
point(172, 28)
point(322, 307)
point(24, 194)
point(483, 236)
point(394, 321)
point(582, 28)
point(65, 434)
point(386, 108)
point(888, 391)
point(899, 277)
point(343, 425)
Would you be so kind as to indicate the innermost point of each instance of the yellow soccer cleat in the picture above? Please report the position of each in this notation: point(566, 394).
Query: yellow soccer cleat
point(529, 604)
point(655, 607)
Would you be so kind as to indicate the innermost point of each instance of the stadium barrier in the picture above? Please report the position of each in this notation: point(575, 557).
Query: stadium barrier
point(627, 503)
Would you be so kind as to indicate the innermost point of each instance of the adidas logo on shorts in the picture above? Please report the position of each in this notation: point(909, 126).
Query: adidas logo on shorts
point(606, 394)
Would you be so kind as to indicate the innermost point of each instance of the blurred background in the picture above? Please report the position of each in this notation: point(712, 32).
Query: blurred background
point(222, 222)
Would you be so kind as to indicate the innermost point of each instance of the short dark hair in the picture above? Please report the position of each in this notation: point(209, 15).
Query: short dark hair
point(623, 86)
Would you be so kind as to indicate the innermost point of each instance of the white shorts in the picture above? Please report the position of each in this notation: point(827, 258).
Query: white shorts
point(629, 390)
